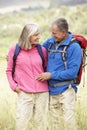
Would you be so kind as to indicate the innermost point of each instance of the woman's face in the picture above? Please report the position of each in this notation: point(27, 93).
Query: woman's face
point(34, 39)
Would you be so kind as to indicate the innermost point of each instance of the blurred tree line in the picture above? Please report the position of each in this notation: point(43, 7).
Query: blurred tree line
point(52, 3)
point(58, 3)
point(4, 3)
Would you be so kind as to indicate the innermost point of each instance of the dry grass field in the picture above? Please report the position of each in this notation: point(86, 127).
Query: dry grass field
point(8, 102)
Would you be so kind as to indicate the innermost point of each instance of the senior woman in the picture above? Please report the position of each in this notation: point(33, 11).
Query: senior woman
point(33, 95)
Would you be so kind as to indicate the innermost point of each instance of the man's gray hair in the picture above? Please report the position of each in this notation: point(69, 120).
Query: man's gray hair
point(61, 23)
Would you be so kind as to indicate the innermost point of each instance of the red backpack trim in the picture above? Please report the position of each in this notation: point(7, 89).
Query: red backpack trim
point(82, 41)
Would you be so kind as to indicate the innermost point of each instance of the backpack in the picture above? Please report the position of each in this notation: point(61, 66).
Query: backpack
point(16, 52)
point(83, 44)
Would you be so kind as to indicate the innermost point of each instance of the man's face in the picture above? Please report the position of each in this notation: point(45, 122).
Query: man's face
point(58, 35)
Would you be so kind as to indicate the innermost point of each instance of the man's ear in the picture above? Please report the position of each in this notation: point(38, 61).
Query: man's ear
point(64, 32)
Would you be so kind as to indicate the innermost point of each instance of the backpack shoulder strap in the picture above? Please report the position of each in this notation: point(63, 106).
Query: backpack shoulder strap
point(64, 51)
point(64, 56)
point(16, 52)
point(39, 47)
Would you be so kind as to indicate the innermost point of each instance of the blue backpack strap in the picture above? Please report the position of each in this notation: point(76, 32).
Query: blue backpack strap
point(41, 53)
point(16, 52)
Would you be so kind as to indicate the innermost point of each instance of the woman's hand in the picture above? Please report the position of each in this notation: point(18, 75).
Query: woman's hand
point(17, 90)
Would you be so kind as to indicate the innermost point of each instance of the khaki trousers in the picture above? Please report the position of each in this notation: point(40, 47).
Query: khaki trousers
point(32, 105)
point(62, 111)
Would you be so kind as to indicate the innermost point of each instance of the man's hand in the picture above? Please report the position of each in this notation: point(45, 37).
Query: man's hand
point(44, 76)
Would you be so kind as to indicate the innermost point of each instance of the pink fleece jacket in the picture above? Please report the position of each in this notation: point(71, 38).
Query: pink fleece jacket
point(28, 66)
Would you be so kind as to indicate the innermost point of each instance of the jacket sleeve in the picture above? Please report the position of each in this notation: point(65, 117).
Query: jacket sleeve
point(74, 57)
point(47, 43)
point(11, 81)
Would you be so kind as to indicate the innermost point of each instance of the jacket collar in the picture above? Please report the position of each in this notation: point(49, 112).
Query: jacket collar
point(68, 39)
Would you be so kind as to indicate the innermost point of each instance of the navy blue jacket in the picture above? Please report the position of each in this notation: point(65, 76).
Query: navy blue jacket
point(56, 64)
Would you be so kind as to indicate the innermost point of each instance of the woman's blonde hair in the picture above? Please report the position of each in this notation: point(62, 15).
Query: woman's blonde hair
point(27, 32)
